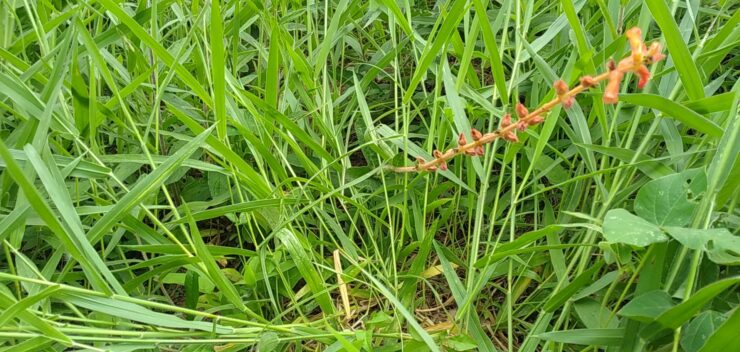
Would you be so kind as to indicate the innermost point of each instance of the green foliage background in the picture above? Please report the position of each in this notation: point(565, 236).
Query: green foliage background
point(198, 175)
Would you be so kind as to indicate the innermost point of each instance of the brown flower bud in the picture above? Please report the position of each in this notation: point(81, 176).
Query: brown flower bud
point(506, 121)
point(511, 137)
point(521, 125)
point(534, 120)
point(437, 154)
point(476, 134)
point(521, 110)
point(567, 101)
point(461, 141)
point(560, 87)
point(611, 65)
point(588, 81)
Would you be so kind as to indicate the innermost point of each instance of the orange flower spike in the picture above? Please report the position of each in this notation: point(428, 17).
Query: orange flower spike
point(611, 92)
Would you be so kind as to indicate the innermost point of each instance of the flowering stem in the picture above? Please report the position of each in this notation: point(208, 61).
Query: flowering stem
point(640, 56)
point(492, 136)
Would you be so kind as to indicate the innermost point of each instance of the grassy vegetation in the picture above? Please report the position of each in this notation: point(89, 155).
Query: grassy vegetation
point(218, 176)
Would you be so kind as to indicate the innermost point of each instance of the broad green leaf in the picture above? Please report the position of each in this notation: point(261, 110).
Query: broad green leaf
point(24, 304)
point(726, 337)
point(192, 290)
point(666, 201)
point(54, 185)
point(594, 315)
point(715, 103)
point(268, 342)
point(647, 306)
point(721, 246)
point(700, 329)
point(81, 168)
point(621, 226)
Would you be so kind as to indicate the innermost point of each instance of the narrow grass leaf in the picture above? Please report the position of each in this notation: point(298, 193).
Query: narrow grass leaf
point(590, 337)
point(303, 263)
point(680, 54)
point(674, 110)
point(145, 187)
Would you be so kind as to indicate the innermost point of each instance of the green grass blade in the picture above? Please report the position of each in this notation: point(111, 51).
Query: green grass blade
point(674, 110)
point(144, 187)
point(679, 52)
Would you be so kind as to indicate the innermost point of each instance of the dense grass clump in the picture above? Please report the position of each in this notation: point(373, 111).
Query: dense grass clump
point(226, 175)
